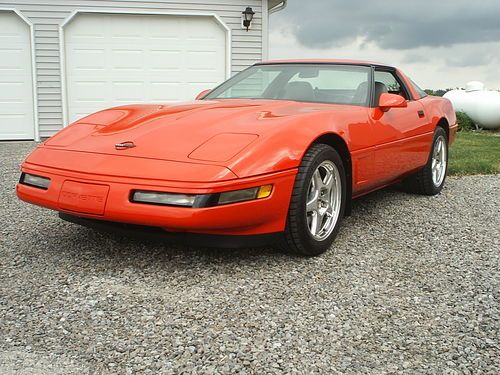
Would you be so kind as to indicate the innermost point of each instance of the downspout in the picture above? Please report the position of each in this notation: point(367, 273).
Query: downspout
point(265, 26)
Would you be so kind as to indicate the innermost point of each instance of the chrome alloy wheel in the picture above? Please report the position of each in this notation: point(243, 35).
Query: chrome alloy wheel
point(323, 202)
point(439, 161)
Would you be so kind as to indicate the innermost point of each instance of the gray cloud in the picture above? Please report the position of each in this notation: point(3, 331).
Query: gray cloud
point(473, 57)
point(415, 57)
point(392, 24)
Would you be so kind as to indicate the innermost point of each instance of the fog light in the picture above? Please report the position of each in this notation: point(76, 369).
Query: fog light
point(245, 194)
point(35, 181)
point(165, 199)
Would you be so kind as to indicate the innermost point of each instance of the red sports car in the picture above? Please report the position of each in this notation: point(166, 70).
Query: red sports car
point(274, 154)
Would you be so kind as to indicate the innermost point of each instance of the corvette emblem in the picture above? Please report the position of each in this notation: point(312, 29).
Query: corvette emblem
point(124, 145)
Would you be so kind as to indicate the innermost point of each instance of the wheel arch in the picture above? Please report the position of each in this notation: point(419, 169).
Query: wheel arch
point(442, 114)
point(339, 144)
point(443, 123)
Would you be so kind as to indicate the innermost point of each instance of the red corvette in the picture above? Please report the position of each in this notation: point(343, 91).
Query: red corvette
point(275, 153)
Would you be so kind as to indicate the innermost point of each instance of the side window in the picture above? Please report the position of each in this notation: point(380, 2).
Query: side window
point(419, 91)
point(391, 82)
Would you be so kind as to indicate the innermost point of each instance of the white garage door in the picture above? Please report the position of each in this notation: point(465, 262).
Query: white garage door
point(114, 59)
point(16, 84)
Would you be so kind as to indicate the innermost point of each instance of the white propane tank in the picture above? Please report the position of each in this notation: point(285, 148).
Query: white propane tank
point(474, 86)
point(458, 98)
point(482, 106)
point(486, 109)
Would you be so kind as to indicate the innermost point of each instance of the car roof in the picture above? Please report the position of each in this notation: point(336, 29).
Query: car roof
point(326, 61)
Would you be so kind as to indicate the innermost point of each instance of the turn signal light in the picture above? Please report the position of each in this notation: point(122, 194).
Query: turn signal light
point(264, 191)
point(245, 194)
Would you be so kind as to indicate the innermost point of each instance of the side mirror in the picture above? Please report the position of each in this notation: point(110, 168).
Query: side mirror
point(202, 94)
point(388, 101)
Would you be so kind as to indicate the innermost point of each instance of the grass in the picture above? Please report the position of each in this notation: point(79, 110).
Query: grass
point(475, 153)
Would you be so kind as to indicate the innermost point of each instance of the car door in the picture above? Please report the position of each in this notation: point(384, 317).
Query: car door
point(401, 142)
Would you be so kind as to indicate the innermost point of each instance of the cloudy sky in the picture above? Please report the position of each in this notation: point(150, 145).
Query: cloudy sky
point(439, 43)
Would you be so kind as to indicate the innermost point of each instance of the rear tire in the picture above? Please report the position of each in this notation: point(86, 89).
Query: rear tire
point(430, 179)
point(318, 202)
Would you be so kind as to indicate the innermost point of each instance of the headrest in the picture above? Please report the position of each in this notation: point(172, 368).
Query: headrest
point(299, 91)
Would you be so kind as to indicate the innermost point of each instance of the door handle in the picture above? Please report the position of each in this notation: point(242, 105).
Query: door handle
point(421, 114)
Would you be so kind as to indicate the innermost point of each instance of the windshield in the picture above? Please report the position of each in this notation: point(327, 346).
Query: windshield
point(322, 83)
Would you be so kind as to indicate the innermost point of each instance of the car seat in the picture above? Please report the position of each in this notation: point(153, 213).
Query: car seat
point(298, 91)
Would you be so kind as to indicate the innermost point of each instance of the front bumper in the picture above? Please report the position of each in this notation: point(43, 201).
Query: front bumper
point(177, 238)
point(245, 218)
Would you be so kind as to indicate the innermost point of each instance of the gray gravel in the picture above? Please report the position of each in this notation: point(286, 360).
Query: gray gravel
point(411, 286)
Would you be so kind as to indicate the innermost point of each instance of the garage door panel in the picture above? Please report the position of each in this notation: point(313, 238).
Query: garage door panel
point(161, 91)
point(14, 108)
point(13, 115)
point(168, 77)
point(197, 75)
point(16, 85)
point(166, 60)
point(86, 37)
point(163, 38)
point(87, 59)
point(13, 90)
point(159, 28)
point(141, 58)
point(90, 90)
point(126, 38)
point(202, 60)
point(128, 91)
point(10, 57)
point(126, 59)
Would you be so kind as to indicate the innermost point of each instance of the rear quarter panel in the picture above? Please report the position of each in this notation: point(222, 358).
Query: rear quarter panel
point(436, 108)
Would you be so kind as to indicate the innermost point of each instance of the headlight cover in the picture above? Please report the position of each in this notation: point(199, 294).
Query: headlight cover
point(165, 199)
point(35, 181)
point(201, 200)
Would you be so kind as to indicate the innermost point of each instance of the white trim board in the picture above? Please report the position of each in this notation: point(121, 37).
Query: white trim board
point(265, 30)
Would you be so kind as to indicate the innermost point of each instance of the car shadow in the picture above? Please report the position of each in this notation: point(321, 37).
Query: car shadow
point(109, 252)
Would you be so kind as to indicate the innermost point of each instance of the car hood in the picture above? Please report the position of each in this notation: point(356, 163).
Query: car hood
point(211, 132)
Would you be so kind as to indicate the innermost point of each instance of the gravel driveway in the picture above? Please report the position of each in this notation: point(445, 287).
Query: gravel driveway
point(411, 286)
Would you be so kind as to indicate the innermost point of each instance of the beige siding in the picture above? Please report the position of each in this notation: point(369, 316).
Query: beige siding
point(47, 16)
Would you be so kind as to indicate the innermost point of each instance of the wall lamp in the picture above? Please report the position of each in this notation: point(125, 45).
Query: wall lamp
point(247, 17)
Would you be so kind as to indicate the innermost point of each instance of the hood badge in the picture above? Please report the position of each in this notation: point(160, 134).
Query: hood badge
point(124, 145)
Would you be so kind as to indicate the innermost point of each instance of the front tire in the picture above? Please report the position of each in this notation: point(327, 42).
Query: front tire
point(430, 179)
point(318, 202)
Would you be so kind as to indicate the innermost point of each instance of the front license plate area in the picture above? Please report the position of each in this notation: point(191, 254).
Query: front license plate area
point(84, 198)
